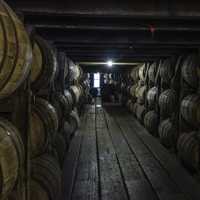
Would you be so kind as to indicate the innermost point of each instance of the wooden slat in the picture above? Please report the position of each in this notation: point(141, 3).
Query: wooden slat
point(164, 186)
point(70, 166)
point(86, 185)
point(138, 186)
point(112, 186)
point(180, 176)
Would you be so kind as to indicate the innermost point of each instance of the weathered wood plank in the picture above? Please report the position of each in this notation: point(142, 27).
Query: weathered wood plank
point(138, 186)
point(86, 185)
point(180, 176)
point(164, 186)
point(112, 187)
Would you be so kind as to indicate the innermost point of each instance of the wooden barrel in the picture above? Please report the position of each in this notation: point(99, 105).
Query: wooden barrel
point(60, 103)
point(46, 174)
point(168, 133)
point(131, 106)
point(191, 71)
point(135, 74)
point(128, 104)
point(166, 70)
point(37, 191)
point(140, 93)
point(86, 87)
point(74, 121)
point(76, 92)
point(142, 72)
point(188, 149)
point(67, 132)
point(140, 112)
point(11, 157)
point(15, 52)
point(152, 72)
point(75, 71)
point(44, 125)
point(151, 122)
point(60, 148)
point(190, 109)
point(168, 102)
point(133, 90)
point(152, 97)
point(44, 64)
point(134, 108)
point(69, 97)
point(63, 105)
point(128, 88)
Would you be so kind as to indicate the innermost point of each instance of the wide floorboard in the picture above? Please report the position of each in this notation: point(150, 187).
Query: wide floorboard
point(113, 157)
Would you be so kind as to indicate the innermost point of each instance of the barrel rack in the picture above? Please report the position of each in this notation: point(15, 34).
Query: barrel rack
point(182, 89)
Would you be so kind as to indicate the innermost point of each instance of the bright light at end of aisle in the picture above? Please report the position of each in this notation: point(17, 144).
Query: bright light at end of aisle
point(110, 63)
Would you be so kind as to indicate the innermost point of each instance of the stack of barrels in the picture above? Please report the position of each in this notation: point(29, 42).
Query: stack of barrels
point(189, 141)
point(53, 116)
point(46, 119)
point(79, 84)
point(55, 119)
point(151, 118)
point(168, 101)
point(15, 57)
point(165, 97)
point(137, 91)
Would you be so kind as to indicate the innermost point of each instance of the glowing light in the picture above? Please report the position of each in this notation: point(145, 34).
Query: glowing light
point(110, 63)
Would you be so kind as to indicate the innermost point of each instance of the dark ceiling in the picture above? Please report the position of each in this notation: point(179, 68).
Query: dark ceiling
point(126, 31)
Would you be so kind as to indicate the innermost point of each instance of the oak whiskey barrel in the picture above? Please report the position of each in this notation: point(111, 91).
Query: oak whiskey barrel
point(152, 97)
point(168, 133)
point(44, 125)
point(191, 71)
point(188, 149)
point(190, 109)
point(142, 72)
point(140, 93)
point(168, 102)
point(140, 112)
point(15, 51)
point(133, 90)
point(74, 121)
point(151, 122)
point(44, 65)
point(135, 74)
point(46, 174)
point(69, 97)
point(11, 157)
point(167, 70)
point(152, 72)
point(76, 92)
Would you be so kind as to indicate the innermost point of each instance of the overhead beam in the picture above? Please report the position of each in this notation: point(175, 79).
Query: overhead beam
point(118, 38)
point(115, 24)
point(129, 8)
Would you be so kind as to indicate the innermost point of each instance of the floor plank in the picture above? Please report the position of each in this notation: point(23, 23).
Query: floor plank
point(164, 186)
point(138, 186)
point(112, 187)
point(86, 185)
point(114, 158)
point(180, 176)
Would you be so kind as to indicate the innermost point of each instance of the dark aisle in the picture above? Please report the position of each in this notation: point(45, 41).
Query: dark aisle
point(114, 158)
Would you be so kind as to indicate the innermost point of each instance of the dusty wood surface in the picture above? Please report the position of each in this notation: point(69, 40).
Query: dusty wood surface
point(119, 160)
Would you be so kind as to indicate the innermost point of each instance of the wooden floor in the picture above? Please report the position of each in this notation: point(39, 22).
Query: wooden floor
point(114, 158)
